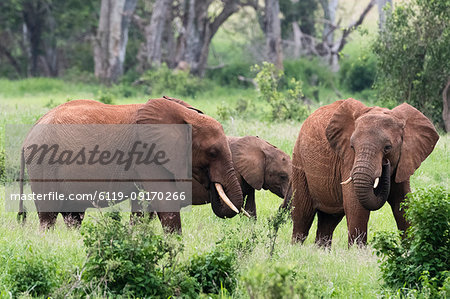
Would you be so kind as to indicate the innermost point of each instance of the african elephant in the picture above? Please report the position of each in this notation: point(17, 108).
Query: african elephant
point(212, 163)
point(349, 159)
point(259, 165)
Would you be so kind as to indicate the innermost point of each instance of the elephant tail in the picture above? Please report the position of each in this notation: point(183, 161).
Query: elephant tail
point(22, 215)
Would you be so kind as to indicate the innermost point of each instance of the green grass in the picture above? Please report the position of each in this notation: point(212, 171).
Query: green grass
point(339, 272)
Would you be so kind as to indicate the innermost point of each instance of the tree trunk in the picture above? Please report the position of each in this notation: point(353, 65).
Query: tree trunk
point(383, 11)
point(154, 31)
point(112, 37)
point(50, 56)
point(273, 33)
point(446, 107)
point(297, 33)
point(33, 16)
point(199, 29)
point(329, 13)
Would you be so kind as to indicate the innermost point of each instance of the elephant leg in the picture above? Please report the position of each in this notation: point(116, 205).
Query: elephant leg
point(302, 208)
point(47, 220)
point(396, 197)
point(325, 227)
point(170, 221)
point(72, 219)
point(357, 220)
point(357, 216)
point(250, 204)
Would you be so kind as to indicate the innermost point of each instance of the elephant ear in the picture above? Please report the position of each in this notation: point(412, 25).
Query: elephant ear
point(419, 139)
point(175, 141)
point(341, 126)
point(183, 103)
point(248, 159)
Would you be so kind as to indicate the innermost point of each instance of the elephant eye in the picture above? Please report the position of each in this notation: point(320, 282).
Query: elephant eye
point(387, 148)
point(283, 177)
point(213, 153)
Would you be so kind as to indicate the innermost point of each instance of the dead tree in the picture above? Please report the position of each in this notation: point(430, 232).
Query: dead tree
point(272, 30)
point(112, 37)
point(328, 48)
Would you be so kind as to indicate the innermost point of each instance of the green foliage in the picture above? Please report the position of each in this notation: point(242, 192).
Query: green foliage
point(229, 74)
point(413, 56)
point(240, 109)
point(421, 260)
point(274, 281)
point(275, 222)
point(165, 81)
point(358, 74)
point(214, 270)
point(313, 72)
point(284, 105)
point(124, 259)
point(31, 273)
point(105, 97)
point(298, 11)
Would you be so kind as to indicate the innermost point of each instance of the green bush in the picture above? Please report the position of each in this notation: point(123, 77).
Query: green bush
point(273, 280)
point(240, 109)
point(422, 259)
point(313, 72)
point(124, 259)
point(284, 105)
point(358, 74)
point(165, 81)
point(31, 273)
point(229, 75)
point(214, 270)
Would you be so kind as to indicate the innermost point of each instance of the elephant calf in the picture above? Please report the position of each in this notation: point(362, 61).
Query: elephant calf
point(259, 165)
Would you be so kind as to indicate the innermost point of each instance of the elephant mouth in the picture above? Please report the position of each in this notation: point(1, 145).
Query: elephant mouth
point(216, 190)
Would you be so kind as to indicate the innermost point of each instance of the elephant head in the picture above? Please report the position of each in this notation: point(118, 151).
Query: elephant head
point(212, 163)
point(378, 147)
point(261, 164)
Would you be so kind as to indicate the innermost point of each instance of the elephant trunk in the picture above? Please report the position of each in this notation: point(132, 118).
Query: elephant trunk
point(371, 193)
point(232, 190)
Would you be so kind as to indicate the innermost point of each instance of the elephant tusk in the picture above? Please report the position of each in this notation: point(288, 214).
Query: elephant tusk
point(347, 181)
point(245, 213)
point(377, 180)
point(224, 197)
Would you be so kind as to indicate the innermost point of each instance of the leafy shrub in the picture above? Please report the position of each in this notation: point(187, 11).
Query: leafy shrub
point(274, 281)
point(313, 72)
point(225, 111)
point(31, 273)
point(358, 74)
point(214, 270)
point(105, 97)
point(124, 259)
point(284, 105)
point(50, 104)
point(229, 75)
point(165, 81)
point(422, 259)
point(413, 56)
point(74, 74)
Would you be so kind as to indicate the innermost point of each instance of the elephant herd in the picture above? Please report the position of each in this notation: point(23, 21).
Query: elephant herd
point(349, 159)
